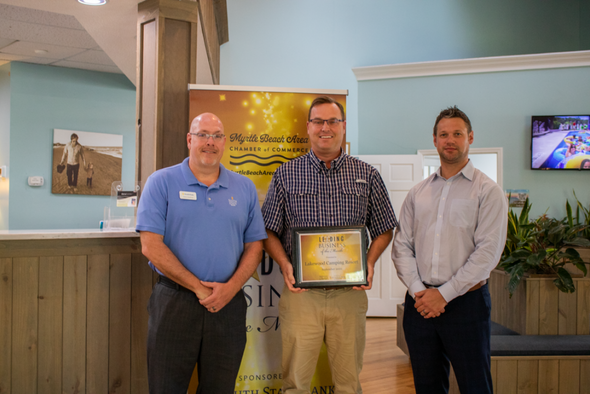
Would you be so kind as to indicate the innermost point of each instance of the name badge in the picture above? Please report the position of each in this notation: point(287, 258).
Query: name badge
point(188, 196)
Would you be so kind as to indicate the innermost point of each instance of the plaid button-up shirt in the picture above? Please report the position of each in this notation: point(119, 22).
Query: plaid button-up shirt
point(304, 193)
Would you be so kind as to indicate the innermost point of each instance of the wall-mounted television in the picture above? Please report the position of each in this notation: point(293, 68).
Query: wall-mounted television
point(560, 142)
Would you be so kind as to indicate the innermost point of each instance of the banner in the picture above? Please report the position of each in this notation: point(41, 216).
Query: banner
point(265, 127)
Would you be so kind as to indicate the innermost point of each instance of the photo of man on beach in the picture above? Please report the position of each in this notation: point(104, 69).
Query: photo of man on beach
point(85, 163)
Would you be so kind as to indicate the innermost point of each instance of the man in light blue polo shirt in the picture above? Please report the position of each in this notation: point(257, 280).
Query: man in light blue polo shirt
point(201, 228)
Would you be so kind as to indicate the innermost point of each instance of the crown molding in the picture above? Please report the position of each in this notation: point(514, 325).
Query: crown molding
point(475, 65)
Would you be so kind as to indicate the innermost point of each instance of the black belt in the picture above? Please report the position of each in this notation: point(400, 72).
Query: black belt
point(172, 284)
point(477, 286)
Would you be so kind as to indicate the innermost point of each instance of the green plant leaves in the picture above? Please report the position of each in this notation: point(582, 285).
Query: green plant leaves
point(564, 281)
point(541, 245)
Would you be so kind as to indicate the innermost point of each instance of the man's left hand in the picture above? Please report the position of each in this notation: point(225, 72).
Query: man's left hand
point(221, 295)
point(430, 303)
point(370, 273)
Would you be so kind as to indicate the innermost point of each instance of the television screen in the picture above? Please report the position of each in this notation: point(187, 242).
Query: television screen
point(560, 142)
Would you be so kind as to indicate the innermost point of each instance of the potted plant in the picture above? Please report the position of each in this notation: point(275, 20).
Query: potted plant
point(544, 246)
point(536, 267)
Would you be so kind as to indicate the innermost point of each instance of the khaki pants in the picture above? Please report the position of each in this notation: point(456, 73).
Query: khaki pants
point(307, 319)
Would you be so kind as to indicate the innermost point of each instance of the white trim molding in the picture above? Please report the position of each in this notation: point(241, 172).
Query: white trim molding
point(475, 65)
point(265, 89)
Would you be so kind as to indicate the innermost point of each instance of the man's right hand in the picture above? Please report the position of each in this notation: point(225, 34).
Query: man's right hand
point(287, 270)
point(203, 292)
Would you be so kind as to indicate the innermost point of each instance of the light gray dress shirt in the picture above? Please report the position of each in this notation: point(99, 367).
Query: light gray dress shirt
point(451, 232)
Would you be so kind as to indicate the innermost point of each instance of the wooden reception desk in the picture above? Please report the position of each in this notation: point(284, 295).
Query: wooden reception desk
point(73, 315)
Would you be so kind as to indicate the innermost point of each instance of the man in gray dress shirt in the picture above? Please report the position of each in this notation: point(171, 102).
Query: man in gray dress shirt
point(451, 233)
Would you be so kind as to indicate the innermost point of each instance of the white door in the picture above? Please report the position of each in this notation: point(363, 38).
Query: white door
point(400, 173)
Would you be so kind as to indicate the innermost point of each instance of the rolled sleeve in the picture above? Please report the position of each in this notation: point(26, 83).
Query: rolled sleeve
point(274, 205)
point(255, 227)
point(151, 212)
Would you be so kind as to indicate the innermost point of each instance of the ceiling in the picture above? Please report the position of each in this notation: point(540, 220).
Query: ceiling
point(66, 33)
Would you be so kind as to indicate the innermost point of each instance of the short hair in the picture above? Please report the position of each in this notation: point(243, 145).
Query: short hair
point(452, 112)
point(326, 100)
point(74, 135)
point(584, 163)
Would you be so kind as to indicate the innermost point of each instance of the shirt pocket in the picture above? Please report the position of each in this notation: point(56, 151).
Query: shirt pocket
point(302, 204)
point(463, 212)
point(354, 202)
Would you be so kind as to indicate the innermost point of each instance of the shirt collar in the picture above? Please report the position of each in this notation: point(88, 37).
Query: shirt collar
point(190, 179)
point(321, 165)
point(467, 171)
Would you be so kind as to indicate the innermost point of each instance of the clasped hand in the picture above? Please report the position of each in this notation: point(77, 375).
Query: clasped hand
point(430, 303)
point(221, 294)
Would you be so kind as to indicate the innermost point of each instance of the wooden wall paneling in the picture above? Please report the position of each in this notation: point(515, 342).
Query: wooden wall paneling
point(220, 7)
point(548, 316)
point(51, 270)
point(532, 307)
point(584, 376)
point(583, 318)
point(518, 306)
point(508, 311)
point(193, 55)
point(176, 63)
point(141, 289)
point(494, 373)
point(569, 376)
point(97, 332)
point(120, 324)
point(207, 17)
point(5, 325)
point(68, 247)
point(159, 92)
point(25, 282)
point(527, 376)
point(507, 370)
point(548, 376)
point(146, 138)
point(493, 287)
point(74, 325)
point(567, 314)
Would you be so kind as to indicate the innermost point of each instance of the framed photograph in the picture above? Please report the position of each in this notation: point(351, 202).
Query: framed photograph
point(85, 163)
point(329, 256)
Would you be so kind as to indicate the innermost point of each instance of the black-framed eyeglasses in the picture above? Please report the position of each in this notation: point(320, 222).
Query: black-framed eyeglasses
point(333, 122)
point(204, 136)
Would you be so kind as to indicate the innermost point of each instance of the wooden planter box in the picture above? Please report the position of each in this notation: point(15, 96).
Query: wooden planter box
point(539, 308)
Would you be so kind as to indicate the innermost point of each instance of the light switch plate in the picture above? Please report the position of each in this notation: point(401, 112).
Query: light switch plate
point(35, 181)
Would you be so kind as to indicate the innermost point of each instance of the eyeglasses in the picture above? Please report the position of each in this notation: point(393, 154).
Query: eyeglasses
point(320, 122)
point(205, 136)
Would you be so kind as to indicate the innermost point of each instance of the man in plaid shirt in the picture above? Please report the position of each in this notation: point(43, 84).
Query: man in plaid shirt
point(326, 187)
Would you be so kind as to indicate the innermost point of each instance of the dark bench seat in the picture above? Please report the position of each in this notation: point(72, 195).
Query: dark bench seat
point(540, 345)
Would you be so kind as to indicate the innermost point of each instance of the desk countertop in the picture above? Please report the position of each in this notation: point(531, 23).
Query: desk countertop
point(10, 235)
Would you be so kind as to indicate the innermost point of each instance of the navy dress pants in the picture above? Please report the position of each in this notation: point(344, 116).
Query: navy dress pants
point(460, 335)
point(182, 333)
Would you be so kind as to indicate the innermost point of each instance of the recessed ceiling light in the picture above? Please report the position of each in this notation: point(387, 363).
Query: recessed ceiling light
point(93, 2)
point(40, 51)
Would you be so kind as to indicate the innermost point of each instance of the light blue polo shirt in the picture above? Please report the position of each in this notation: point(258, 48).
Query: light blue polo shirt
point(204, 226)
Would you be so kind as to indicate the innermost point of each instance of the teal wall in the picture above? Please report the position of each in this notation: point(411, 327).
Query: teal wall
point(314, 44)
point(397, 116)
point(4, 141)
point(584, 24)
point(44, 98)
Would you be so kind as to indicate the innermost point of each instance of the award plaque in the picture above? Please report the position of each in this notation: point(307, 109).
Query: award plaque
point(329, 256)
